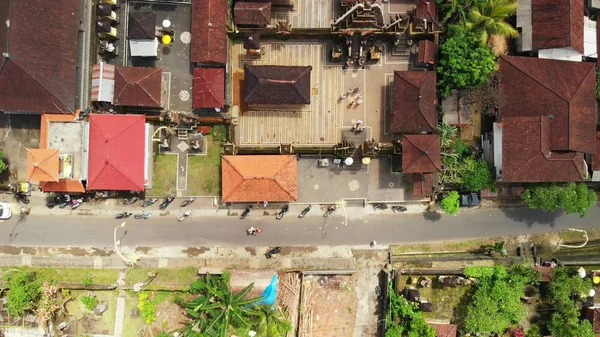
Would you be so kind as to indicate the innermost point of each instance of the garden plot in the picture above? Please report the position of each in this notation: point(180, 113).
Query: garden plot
point(83, 321)
point(156, 313)
point(327, 305)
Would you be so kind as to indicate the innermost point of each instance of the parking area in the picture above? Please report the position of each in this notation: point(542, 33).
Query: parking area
point(173, 59)
point(18, 132)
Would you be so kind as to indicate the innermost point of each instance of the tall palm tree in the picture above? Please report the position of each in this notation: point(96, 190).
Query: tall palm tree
point(487, 18)
point(270, 323)
point(217, 310)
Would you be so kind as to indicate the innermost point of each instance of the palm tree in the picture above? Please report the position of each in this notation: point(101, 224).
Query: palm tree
point(217, 310)
point(270, 323)
point(487, 18)
point(447, 134)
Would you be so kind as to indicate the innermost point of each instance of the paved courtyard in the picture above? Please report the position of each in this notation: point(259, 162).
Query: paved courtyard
point(320, 123)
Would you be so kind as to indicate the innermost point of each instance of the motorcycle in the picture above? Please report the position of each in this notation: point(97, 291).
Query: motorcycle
point(149, 202)
point(330, 210)
point(123, 215)
point(184, 216)
point(305, 211)
point(75, 203)
point(54, 202)
point(253, 231)
point(21, 197)
point(281, 213)
point(246, 212)
point(380, 206)
point(399, 209)
point(65, 200)
point(166, 203)
point(142, 216)
point(131, 200)
point(187, 201)
point(272, 252)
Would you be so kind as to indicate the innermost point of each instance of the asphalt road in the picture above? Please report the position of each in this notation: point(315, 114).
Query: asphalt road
point(222, 230)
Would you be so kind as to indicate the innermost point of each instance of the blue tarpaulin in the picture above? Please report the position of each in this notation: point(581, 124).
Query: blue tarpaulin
point(269, 295)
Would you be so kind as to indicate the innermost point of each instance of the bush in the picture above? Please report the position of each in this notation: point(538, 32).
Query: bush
point(24, 292)
point(464, 62)
point(564, 289)
point(479, 272)
point(451, 203)
point(87, 281)
point(573, 198)
point(3, 165)
point(477, 175)
point(146, 307)
point(89, 302)
point(219, 133)
point(405, 319)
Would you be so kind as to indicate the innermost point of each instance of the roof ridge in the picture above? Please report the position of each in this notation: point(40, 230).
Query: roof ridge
point(541, 152)
point(146, 91)
point(41, 168)
point(534, 79)
point(432, 125)
point(43, 87)
point(274, 178)
point(238, 172)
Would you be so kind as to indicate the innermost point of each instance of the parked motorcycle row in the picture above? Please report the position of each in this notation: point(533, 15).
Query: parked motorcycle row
point(151, 201)
point(63, 201)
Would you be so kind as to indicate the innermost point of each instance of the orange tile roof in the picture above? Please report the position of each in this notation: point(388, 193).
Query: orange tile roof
point(72, 186)
point(42, 165)
point(48, 118)
point(259, 178)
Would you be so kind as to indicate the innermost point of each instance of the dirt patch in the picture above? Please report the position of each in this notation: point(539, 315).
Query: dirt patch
point(251, 250)
point(144, 250)
point(169, 317)
point(328, 305)
point(195, 251)
point(17, 250)
point(75, 251)
point(297, 251)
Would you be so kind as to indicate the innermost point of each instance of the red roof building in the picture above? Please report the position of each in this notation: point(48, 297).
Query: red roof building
point(557, 24)
point(564, 91)
point(445, 330)
point(593, 315)
point(209, 87)
point(421, 154)
point(527, 157)
point(277, 84)
point(117, 152)
point(259, 178)
point(256, 14)
point(422, 184)
point(138, 86)
point(427, 52)
point(426, 9)
point(38, 72)
point(209, 31)
point(415, 102)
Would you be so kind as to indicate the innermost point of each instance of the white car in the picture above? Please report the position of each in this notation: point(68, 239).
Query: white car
point(5, 212)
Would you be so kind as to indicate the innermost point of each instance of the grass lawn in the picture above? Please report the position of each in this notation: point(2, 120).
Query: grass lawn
point(73, 275)
point(204, 172)
point(180, 278)
point(93, 324)
point(164, 175)
point(444, 299)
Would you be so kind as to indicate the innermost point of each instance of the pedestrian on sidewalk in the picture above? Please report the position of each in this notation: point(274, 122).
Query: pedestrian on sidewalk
point(265, 204)
point(349, 91)
point(342, 96)
point(355, 91)
point(360, 101)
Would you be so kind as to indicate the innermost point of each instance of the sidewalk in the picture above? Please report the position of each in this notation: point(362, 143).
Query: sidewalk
point(203, 206)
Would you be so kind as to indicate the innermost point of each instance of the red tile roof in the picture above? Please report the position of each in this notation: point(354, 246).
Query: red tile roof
point(40, 73)
point(557, 24)
point(421, 154)
point(593, 315)
point(564, 90)
point(142, 25)
point(527, 157)
point(427, 52)
point(259, 178)
point(596, 157)
point(277, 84)
point(445, 330)
point(252, 13)
point(209, 31)
point(415, 102)
point(117, 152)
point(422, 184)
point(138, 86)
point(209, 87)
point(63, 185)
point(546, 272)
point(426, 9)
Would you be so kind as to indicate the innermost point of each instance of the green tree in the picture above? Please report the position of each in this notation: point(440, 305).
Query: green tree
point(477, 175)
point(454, 11)
point(217, 310)
point(496, 302)
point(270, 323)
point(404, 319)
point(487, 18)
point(24, 293)
point(451, 203)
point(3, 165)
point(573, 198)
point(464, 62)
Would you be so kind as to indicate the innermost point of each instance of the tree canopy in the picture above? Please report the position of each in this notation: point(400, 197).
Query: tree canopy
point(404, 319)
point(451, 203)
point(573, 198)
point(487, 18)
point(464, 62)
